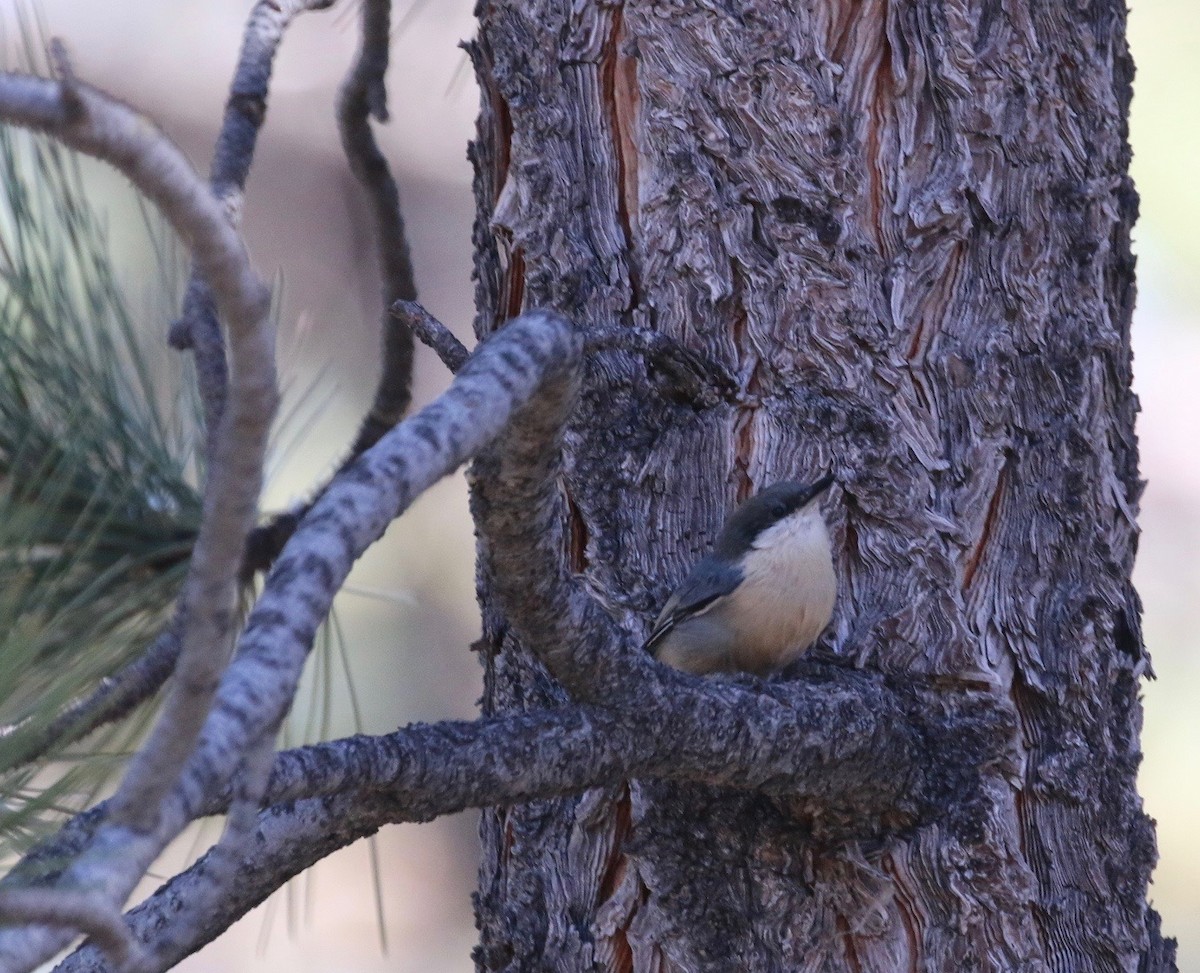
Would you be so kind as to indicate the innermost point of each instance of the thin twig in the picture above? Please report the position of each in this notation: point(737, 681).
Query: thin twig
point(432, 333)
point(198, 327)
point(199, 330)
point(92, 123)
point(363, 97)
point(112, 700)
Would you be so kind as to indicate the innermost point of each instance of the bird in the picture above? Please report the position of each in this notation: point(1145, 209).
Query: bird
point(762, 596)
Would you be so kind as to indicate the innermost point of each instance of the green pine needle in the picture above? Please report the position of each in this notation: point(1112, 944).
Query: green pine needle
point(99, 473)
point(98, 499)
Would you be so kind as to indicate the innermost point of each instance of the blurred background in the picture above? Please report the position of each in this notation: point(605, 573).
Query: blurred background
point(410, 614)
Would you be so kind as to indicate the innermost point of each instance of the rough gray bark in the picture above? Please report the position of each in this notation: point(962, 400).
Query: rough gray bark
point(892, 238)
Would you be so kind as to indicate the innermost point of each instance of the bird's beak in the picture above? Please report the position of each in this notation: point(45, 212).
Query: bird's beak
point(822, 485)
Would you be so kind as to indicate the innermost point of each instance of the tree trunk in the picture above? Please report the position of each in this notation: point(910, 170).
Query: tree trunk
point(893, 238)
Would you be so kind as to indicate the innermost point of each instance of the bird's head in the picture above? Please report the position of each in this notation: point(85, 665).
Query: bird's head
point(767, 509)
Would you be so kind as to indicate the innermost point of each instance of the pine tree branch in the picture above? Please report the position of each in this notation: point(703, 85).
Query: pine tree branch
point(89, 122)
point(198, 328)
point(432, 333)
point(115, 698)
point(503, 375)
point(363, 97)
point(862, 757)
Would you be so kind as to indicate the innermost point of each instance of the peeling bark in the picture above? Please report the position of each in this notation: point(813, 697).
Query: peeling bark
point(901, 230)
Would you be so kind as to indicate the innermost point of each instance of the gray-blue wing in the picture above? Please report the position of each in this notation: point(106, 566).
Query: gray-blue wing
point(708, 582)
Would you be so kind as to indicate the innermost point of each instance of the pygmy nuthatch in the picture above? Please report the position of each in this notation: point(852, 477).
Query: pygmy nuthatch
point(762, 596)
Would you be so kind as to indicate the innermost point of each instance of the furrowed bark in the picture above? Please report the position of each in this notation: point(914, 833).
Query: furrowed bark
point(902, 229)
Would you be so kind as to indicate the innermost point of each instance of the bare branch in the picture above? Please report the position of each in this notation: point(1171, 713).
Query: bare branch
point(112, 700)
point(503, 375)
point(286, 842)
point(780, 735)
point(222, 876)
point(364, 96)
point(77, 911)
point(198, 327)
point(520, 509)
point(433, 333)
point(864, 757)
point(89, 122)
point(246, 108)
point(865, 753)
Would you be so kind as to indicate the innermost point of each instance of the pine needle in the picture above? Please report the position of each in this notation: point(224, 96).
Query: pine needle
point(98, 499)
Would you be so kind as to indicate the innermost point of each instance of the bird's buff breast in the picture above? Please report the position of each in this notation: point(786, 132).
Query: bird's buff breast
point(787, 596)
